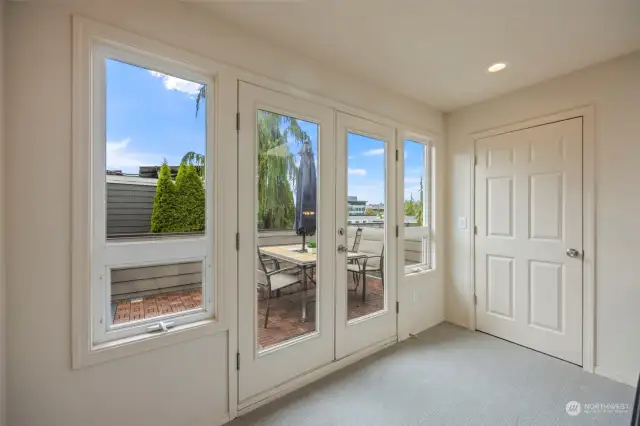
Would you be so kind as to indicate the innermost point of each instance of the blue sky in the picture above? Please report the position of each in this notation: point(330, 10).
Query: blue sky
point(151, 116)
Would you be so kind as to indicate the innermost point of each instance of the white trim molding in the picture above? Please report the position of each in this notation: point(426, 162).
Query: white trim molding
point(589, 218)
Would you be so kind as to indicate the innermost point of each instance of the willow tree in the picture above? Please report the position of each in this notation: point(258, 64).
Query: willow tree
point(277, 169)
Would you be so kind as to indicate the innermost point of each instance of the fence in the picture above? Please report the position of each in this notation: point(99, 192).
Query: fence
point(129, 207)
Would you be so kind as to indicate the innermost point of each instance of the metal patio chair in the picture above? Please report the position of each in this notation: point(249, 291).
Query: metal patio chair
point(275, 279)
point(372, 263)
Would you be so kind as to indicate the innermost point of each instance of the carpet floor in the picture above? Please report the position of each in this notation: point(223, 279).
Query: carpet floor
point(451, 376)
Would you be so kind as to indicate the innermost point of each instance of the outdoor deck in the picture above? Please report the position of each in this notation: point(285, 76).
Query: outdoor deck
point(284, 317)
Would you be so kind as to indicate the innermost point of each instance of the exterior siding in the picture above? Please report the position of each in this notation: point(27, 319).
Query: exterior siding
point(129, 208)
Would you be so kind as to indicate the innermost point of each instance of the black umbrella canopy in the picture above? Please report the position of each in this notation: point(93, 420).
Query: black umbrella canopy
point(305, 219)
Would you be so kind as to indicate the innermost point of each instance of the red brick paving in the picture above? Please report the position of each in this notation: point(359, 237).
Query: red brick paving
point(285, 320)
point(285, 314)
point(153, 306)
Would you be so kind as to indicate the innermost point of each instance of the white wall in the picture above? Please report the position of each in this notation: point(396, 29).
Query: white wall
point(180, 385)
point(3, 312)
point(614, 89)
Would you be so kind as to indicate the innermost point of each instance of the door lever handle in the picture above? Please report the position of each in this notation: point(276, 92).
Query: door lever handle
point(342, 248)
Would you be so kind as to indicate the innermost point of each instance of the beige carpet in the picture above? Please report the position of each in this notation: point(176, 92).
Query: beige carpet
point(451, 376)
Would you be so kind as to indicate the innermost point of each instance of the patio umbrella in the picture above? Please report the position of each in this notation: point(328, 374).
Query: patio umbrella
point(305, 219)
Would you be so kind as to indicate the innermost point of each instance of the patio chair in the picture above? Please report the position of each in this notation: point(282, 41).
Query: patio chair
point(356, 241)
point(372, 263)
point(275, 279)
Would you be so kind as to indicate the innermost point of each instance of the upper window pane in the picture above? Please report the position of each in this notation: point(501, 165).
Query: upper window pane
point(416, 203)
point(414, 180)
point(155, 153)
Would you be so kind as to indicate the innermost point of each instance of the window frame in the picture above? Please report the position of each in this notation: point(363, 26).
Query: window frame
point(109, 254)
point(426, 230)
point(89, 346)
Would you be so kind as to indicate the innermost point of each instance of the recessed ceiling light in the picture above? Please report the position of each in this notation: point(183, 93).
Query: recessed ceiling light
point(497, 67)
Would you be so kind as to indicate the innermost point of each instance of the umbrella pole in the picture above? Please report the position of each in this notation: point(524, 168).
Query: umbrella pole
point(304, 237)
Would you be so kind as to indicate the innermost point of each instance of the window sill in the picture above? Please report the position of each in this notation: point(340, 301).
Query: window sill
point(104, 352)
point(418, 270)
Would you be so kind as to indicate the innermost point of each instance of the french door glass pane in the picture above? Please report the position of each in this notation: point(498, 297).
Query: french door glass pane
point(287, 207)
point(366, 179)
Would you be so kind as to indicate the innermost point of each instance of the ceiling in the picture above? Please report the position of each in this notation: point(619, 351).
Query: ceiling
point(437, 51)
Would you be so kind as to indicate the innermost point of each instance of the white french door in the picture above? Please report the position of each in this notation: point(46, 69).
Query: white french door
point(365, 288)
point(296, 335)
point(299, 309)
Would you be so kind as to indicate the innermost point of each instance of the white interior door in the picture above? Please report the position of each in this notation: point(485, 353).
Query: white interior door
point(529, 219)
point(365, 187)
point(297, 335)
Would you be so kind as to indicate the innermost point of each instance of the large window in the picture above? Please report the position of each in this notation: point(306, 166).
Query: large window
point(152, 178)
point(417, 205)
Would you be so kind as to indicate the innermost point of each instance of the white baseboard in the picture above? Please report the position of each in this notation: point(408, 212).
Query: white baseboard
point(618, 376)
point(261, 399)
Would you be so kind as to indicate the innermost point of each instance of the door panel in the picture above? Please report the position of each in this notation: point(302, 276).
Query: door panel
point(528, 213)
point(366, 290)
point(285, 313)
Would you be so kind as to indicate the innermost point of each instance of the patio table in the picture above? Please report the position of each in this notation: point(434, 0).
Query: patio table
point(303, 260)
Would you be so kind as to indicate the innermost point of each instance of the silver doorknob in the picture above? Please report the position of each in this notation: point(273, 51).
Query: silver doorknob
point(342, 248)
point(573, 252)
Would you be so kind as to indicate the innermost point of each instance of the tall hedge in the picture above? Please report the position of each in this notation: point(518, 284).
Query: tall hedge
point(192, 201)
point(179, 206)
point(165, 204)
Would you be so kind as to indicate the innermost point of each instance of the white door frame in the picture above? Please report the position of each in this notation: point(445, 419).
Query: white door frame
point(588, 212)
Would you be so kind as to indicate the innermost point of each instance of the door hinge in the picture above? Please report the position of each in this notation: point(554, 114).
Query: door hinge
point(475, 299)
point(397, 307)
point(475, 160)
point(475, 229)
point(237, 121)
point(396, 155)
point(238, 361)
point(237, 241)
point(397, 231)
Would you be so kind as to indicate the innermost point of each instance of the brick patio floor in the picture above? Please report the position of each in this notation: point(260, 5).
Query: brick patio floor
point(285, 320)
point(285, 315)
point(148, 307)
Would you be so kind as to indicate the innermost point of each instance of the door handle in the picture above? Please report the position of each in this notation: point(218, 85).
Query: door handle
point(571, 252)
point(342, 248)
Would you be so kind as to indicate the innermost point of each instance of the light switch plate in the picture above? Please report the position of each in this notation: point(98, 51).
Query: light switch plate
point(462, 222)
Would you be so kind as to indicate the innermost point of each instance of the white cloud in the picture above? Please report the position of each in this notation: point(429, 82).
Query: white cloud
point(372, 152)
point(178, 84)
point(120, 156)
point(359, 172)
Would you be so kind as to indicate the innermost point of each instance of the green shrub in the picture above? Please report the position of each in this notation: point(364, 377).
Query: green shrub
point(165, 204)
point(190, 191)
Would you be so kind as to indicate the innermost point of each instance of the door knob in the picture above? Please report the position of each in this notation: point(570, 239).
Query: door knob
point(573, 253)
point(342, 248)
